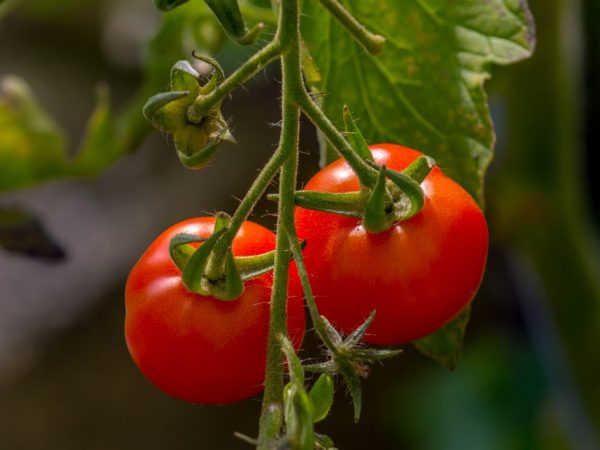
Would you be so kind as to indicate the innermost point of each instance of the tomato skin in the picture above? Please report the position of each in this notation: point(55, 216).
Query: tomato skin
point(418, 275)
point(198, 348)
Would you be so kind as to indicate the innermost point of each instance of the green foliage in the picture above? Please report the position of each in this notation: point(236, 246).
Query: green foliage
point(31, 144)
point(445, 346)
point(321, 395)
point(426, 89)
point(33, 148)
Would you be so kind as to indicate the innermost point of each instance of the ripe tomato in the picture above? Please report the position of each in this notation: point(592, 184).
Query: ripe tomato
point(418, 275)
point(195, 347)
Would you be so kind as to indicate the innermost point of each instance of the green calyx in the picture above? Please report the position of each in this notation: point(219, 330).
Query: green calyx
point(394, 197)
point(386, 196)
point(196, 136)
point(349, 358)
point(211, 269)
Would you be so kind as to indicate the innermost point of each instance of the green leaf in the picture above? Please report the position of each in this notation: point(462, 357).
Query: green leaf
point(31, 144)
point(33, 147)
point(321, 395)
point(100, 147)
point(445, 345)
point(426, 89)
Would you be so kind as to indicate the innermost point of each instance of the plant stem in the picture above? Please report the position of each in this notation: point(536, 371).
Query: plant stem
point(257, 189)
point(258, 14)
point(271, 419)
point(366, 174)
point(246, 71)
point(310, 299)
point(373, 43)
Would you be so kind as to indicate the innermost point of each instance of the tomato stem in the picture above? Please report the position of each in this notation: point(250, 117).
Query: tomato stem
point(288, 32)
point(304, 280)
point(366, 175)
point(251, 67)
point(373, 43)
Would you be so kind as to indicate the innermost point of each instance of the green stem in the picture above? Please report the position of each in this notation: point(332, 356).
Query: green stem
point(257, 189)
point(271, 419)
point(366, 174)
point(304, 280)
point(373, 43)
point(258, 14)
point(246, 71)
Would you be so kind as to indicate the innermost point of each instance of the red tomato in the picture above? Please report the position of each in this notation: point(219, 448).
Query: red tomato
point(198, 348)
point(418, 275)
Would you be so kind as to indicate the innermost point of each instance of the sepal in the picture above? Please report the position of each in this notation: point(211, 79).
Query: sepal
point(350, 359)
point(211, 268)
point(197, 133)
point(166, 111)
point(393, 197)
point(193, 271)
point(343, 203)
point(377, 215)
point(355, 136)
point(180, 250)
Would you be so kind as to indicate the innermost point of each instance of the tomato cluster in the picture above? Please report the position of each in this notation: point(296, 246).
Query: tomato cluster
point(418, 275)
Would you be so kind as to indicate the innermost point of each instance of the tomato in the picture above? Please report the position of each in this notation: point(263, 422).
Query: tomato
point(198, 348)
point(418, 275)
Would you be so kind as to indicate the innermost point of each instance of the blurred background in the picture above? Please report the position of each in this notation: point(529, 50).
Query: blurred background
point(529, 377)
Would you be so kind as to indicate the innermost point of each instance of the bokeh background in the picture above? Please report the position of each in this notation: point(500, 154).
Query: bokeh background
point(529, 377)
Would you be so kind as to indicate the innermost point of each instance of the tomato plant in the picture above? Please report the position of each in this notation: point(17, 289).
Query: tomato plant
point(214, 305)
point(418, 275)
point(196, 347)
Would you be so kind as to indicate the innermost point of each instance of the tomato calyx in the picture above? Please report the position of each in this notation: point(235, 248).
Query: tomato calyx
point(211, 269)
point(394, 197)
point(197, 135)
point(350, 358)
point(386, 196)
